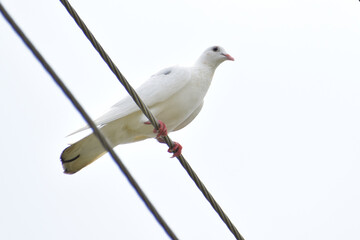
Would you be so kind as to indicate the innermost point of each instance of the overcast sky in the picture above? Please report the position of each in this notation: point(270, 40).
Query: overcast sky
point(277, 142)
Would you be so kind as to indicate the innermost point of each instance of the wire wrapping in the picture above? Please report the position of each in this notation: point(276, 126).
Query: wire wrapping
point(87, 118)
point(150, 116)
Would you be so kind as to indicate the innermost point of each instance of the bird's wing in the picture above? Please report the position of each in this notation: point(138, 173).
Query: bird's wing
point(158, 88)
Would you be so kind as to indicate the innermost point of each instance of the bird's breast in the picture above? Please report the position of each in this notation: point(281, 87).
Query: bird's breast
point(182, 104)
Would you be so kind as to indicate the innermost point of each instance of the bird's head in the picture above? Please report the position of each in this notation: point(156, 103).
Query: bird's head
point(214, 55)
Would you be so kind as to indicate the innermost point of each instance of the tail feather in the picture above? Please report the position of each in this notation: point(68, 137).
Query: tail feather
point(88, 149)
point(81, 154)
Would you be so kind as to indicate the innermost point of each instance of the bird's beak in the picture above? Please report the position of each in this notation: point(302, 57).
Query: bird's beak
point(229, 57)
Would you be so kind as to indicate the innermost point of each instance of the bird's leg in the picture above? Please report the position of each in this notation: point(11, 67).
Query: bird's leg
point(176, 149)
point(162, 129)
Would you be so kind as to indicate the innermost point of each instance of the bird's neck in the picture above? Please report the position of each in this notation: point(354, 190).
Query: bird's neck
point(205, 70)
point(204, 61)
point(203, 75)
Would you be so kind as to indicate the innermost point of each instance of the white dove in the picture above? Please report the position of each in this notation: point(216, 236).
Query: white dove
point(175, 96)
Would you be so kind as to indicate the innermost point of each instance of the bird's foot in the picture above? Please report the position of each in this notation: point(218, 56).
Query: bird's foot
point(162, 129)
point(176, 149)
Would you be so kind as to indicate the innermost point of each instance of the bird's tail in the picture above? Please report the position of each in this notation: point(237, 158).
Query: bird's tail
point(81, 154)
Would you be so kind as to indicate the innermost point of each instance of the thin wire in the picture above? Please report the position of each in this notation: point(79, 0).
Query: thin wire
point(150, 116)
point(87, 118)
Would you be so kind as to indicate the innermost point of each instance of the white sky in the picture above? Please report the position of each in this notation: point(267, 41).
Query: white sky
point(277, 142)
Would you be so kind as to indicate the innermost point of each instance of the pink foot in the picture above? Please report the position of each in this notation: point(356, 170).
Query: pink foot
point(176, 149)
point(162, 129)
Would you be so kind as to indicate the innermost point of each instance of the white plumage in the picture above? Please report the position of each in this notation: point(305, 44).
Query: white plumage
point(174, 95)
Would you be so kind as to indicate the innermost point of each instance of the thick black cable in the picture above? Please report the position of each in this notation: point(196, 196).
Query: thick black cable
point(150, 116)
point(87, 118)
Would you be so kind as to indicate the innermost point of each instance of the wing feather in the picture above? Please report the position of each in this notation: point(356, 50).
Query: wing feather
point(158, 88)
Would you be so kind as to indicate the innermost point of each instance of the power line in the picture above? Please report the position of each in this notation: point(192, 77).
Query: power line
point(150, 116)
point(87, 118)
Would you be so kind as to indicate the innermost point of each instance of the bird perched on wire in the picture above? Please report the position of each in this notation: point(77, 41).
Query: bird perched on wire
point(175, 96)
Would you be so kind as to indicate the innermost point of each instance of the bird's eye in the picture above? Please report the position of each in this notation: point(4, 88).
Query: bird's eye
point(215, 49)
